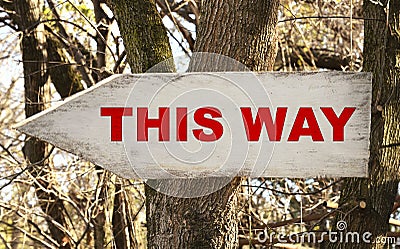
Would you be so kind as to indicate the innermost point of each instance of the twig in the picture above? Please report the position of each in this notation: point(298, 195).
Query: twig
point(14, 176)
point(72, 23)
point(9, 153)
point(390, 145)
point(297, 193)
point(329, 17)
point(95, 28)
point(119, 61)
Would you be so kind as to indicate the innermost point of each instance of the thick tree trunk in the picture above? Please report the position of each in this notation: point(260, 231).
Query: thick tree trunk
point(34, 57)
point(243, 30)
point(382, 57)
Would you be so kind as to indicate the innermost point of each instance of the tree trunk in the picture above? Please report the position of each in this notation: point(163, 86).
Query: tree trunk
point(119, 219)
point(243, 30)
point(382, 57)
point(64, 77)
point(34, 57)
point(145, 37)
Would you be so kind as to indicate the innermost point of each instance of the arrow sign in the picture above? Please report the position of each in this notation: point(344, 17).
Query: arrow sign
point(157, 126)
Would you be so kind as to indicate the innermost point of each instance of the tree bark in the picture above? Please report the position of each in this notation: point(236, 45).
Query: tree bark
point(243, 30)
point(382, 57)
point(145, 38)
point(63, 75)
point(119, 219)
point(99, 220)
point(102, 23)
point(34, 57)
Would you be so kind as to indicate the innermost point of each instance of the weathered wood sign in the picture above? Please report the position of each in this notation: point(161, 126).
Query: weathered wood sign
point(217, 124)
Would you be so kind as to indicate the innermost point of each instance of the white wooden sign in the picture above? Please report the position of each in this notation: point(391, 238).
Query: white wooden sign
point(217, 124)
